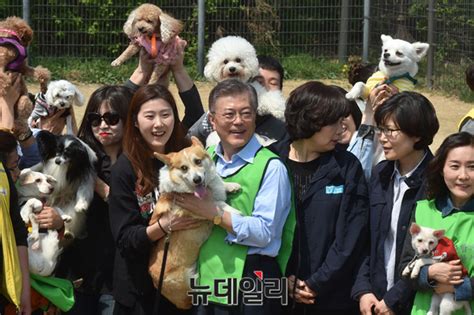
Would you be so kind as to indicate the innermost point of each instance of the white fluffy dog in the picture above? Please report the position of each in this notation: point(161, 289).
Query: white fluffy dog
point(234, 57)
point(34, 189)
point(61, 94)
point(398, 65)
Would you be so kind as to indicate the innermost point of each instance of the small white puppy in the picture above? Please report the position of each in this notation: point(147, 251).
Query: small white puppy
point(34, 188)
point(398, 65)
point(424, 241)
point(61, 94)
point(233, 57)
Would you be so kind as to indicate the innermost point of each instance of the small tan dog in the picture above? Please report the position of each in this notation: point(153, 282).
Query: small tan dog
point(190, 170)
point(15, 37)
point(149, 27)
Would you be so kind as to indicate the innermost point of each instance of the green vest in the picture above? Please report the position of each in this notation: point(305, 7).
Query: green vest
point(459, 227)
point(220, 260)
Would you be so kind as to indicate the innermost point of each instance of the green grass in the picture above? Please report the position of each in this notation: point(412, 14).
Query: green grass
point(449, 79)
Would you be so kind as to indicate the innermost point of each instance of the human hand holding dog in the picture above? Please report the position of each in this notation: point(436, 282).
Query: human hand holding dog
point(302, 293)
point(204, 207)
point(366, 302)
point(49, 218)
point(54, 123)
point(379, 95)
point(8, 101)
point(446, 272)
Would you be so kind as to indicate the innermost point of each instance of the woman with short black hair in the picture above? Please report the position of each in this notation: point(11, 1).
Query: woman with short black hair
point(331, 203)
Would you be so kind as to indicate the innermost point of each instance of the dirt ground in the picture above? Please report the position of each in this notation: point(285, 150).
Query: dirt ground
point(449, 109)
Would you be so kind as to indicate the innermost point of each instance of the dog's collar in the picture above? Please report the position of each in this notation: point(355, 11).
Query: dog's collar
point(403, 76)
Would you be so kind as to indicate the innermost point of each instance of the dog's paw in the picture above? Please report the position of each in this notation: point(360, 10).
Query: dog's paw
point(68, 235)
point(116, 63)
point(232, 187)
point(34, 236)
point(36, 245)
point(81, 205)
point(351, 95)
point(406, 271)
point(66, 218)
point(414, 274)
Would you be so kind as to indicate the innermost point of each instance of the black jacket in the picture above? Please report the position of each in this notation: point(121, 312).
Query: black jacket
point(131, 280)
point(332, 233)
point(372, 275)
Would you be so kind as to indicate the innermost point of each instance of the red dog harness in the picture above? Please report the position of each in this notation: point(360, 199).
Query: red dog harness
point(446, 248)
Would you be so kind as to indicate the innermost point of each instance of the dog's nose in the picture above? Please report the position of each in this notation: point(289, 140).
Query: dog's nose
point(197, 179)
point(232, 69)
point(141, 29)
point(386, 55)
point(51, 190)
point(425, 251)
point(62, 104)
point(57, 161)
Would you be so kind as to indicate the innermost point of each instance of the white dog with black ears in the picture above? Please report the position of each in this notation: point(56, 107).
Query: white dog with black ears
point(234, 57)
point(61, 94)
point(398, 66)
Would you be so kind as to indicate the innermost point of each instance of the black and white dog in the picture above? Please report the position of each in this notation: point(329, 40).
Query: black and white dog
point(72, 163)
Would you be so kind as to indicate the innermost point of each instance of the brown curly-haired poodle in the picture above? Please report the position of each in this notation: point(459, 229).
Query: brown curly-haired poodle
point(149, 27)
point(15, 36)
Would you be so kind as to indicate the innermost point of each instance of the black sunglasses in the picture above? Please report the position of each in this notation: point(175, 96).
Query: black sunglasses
point(110, 118)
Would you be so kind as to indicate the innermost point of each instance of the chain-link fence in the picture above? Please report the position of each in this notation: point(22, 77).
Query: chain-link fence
point(321, 28)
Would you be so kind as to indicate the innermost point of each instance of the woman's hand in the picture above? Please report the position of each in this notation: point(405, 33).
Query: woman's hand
point(446, 272)
point(302, 292)
point(379, 95)
point(54, 123)
point(366, 302)
point(49, 218)
point(169, 222)
point(8, 101)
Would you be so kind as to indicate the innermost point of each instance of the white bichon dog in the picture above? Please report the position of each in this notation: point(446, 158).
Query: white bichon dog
point(234, 57)
point(61, 94)
point(398, 65)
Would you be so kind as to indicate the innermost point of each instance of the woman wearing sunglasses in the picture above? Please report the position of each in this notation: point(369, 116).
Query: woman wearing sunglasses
point(406, 124)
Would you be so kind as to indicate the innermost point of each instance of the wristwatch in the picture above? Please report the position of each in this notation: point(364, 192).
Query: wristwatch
point(218, 217)
point(25, 136)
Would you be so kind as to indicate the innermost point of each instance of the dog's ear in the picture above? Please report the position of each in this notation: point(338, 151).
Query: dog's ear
point(47, 143)
point(195, 141)
point(128, 26)
point(169, 28)
point(438, 233)
point(78, 97)
point(165, 158)
point(421, 49)
point(385, 38)
point(51, 179)
point(25, 177)
point(414, 229)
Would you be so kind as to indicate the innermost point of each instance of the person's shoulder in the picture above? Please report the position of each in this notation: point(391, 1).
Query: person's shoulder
point(344, 157)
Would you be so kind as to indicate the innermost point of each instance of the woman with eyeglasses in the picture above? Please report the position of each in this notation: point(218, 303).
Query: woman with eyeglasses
point(406, 124)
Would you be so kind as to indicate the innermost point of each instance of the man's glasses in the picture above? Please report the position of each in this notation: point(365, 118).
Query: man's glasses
point(229, 117)
point(110, 118)
point(388, 132)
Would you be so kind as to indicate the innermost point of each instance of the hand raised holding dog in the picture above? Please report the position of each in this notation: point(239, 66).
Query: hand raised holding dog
point(379, 95)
